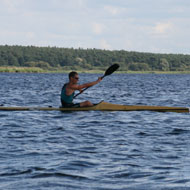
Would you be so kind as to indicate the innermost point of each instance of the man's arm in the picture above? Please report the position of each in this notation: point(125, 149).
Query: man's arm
point(86, 85)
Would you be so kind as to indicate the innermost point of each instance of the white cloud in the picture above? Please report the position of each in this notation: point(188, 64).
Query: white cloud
point(98, 28)
point(8, 4)
point(132, 25)
point(111, 9)
point(162, 28)
point(11, 6)
point(105, 45)
point(30, 35)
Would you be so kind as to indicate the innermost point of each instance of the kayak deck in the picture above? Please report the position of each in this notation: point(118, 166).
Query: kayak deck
point(102, 106)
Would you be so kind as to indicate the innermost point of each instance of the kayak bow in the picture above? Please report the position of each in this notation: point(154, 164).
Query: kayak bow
point(103, 106)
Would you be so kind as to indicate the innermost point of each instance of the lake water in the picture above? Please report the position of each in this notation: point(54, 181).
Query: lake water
point(51, 150)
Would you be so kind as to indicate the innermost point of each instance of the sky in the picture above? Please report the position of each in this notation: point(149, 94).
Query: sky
point(156, 26)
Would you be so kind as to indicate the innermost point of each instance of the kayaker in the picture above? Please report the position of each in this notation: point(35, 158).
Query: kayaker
point(67, 92)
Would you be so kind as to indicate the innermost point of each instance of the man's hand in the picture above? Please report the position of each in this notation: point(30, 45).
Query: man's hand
point(99, 79)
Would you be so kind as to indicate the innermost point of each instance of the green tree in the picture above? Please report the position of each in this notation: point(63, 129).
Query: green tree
point(164, 65)
point(138, 67)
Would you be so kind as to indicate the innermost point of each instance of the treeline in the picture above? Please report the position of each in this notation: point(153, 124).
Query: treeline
point(88, 59)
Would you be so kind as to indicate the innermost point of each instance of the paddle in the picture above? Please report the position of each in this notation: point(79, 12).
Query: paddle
point(109, 71)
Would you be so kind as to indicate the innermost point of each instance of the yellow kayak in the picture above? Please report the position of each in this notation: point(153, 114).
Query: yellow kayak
point(102, 106)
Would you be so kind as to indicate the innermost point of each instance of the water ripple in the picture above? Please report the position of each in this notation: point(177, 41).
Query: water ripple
point(95, 150)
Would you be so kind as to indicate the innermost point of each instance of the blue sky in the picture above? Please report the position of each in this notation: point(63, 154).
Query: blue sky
point(161, 26)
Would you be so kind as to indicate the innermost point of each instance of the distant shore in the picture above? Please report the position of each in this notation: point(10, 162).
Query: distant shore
point(62, 70)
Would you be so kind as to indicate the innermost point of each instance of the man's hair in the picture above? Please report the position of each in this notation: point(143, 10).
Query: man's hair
point(72, 74)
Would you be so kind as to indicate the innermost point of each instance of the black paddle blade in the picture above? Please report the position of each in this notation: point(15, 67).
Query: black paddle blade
point(111, 69)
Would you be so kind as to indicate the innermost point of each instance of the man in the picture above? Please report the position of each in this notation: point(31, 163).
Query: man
point(67, 92)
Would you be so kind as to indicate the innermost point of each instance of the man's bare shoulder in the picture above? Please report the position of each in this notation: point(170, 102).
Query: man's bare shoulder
point(73, 86)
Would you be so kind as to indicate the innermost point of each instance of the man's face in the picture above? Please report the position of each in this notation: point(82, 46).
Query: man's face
point(75, 79)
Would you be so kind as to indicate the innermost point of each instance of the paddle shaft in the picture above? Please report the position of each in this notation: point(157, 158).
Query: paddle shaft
point(109, 71)
point(85, 89)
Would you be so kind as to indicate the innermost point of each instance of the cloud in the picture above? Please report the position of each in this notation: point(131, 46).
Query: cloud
point(132, 25)
point(111, 9)
point(162, 28)
point(98, 28)
point(8, 5)
point(30, 35)
point(105, 45)
point(11, 6)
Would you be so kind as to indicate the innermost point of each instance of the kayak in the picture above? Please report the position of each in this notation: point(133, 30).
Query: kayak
point(102, 106)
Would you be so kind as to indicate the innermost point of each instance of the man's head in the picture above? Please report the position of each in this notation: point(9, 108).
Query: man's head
point(73, 76)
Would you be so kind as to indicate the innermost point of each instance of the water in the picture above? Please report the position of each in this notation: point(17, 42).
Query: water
point(95, 150)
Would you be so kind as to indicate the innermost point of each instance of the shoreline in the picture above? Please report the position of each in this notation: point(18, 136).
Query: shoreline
point(7, 69)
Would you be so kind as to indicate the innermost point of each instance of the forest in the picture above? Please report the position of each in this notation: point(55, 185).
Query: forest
point(49, 58)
